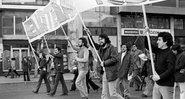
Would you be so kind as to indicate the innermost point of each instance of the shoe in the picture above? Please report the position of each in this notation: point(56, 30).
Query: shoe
point(64, 94)
point(143, 95)
point(126, 97)
point(50, 94)
point(72, 90)
point(35, 92)
point(137, 90)
point(97, 89)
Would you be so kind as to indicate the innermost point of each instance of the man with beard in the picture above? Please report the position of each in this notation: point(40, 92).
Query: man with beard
point(82, 60)
point(58, 65)
point(108, 54)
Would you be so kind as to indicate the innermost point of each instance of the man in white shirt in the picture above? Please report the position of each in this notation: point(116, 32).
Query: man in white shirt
point(123, 71)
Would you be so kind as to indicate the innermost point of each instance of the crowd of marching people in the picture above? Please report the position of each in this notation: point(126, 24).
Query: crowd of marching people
point(118, 71)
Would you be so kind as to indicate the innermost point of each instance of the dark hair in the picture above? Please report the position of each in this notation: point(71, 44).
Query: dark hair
point(58, 48)
point(43, 55)
point(84, 41)
point(177, 47)
point(167, 37)
point(126, 46)
point(13, 59)
point(104, 36)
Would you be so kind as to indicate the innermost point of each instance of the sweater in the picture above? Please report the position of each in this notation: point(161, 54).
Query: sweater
point(164, 65)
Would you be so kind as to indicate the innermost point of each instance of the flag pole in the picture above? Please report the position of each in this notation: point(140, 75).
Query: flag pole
point(89, 37)
point(32, 51)
point(148, 38)
point(67, 40)
point(46, 43)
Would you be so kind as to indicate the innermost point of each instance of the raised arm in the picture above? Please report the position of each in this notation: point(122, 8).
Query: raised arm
point(74, 47)
point(97, 46)
point(57, 55)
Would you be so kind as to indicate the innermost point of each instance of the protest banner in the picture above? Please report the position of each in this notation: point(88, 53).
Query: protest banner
point(47, 19)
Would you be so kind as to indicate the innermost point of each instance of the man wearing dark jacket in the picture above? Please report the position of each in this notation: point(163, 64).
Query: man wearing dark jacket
point(58, 64)
point(108, 55)
point(43, 62)
point(180, 69)
point(25, 68)
point(123, 70)
point(164, 67)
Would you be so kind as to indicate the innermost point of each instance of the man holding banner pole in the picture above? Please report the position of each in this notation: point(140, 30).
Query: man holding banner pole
point(109, 62)
point(163, 71)
point(164, 67)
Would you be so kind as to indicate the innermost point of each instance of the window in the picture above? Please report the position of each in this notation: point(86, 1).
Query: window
point(182, 3)
point(42, 2)
point(7, 27)
point(95, 31)
point(166, 3)
point(178, 24)
point(18, 25)
point(158, 22)
point(136, 21)
point(127, 21)
point(100, 9)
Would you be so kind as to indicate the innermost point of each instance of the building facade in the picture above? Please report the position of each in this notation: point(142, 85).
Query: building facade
point(168, 16)
point(122, 24)
point(13, 41)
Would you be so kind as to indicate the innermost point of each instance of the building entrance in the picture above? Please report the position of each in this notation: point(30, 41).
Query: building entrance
point(18, 54)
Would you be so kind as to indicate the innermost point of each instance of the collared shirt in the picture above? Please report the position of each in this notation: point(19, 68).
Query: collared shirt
point(122, 56)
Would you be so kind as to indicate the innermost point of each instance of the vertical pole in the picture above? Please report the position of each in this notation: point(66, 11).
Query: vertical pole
point(66, 36)
point(89, 37)
point(46, 43)
point(148, 38)
point(119, 34)
point(36, 67)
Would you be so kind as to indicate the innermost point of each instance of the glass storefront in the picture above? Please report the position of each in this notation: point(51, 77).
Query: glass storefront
point(135, 20)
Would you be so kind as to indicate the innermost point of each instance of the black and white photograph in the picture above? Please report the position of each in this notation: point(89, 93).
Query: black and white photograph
point(92, 49)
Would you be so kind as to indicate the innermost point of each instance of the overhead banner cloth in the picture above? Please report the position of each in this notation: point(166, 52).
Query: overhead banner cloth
point(48, 19)
point(60, 12)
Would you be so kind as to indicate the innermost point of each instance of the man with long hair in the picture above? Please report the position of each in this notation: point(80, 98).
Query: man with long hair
point(82, 60)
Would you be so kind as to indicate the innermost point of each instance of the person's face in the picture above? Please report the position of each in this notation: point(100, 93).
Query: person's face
point(80, 44)
point(123, 48)
point(101, 41)
point(161, 44)
point(40, 55)
point(56, 51)
point(134, 47)
point(175, 52)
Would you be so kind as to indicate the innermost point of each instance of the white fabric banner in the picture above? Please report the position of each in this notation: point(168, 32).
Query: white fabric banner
point(60, 12)
point(47, 19)
point(84, 5)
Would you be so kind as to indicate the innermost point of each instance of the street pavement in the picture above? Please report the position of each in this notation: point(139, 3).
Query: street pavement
point(18, 89)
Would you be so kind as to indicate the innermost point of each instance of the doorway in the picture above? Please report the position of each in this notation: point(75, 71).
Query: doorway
point(18, 54)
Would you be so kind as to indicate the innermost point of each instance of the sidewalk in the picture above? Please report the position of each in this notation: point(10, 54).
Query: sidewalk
point(8, 80)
